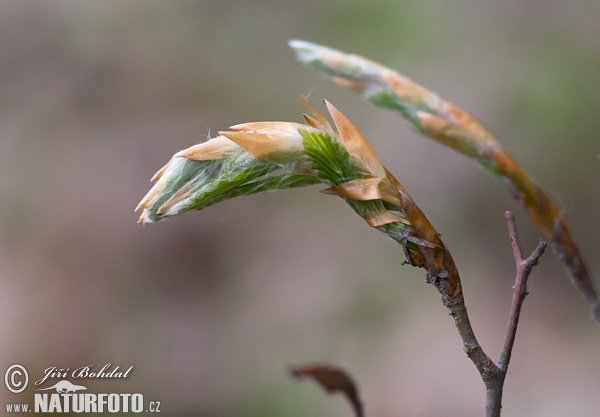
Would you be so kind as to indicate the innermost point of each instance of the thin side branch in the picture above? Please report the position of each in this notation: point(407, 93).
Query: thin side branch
point(524, 268)
point(493, 375)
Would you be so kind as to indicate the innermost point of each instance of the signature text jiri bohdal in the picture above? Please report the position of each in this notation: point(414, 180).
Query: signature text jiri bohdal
point(88, 371)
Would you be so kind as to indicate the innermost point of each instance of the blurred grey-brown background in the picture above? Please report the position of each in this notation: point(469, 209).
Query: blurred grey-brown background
point(212, 307)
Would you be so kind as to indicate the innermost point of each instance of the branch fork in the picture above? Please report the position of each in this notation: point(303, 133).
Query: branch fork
point(334, 379)
point(494, 374)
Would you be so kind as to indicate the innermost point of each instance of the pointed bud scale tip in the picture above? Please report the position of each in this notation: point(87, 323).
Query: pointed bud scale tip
point(173, 168)
point(333, 62)
point(274, 147)
point(320, 117)
point(178, 197)
point(285, 127)
point(213, 149)
point(307, 51)
point(160, 172)
point(149, 198)
point(319, 57)
point(355, 143)
point(312, 121)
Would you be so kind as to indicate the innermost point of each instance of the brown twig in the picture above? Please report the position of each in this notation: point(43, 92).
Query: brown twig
point(524, 267)
point(493, 375)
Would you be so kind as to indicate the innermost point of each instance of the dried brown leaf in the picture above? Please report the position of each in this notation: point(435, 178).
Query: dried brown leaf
point(365, 189)
point(380, 218)
point(332, 379)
